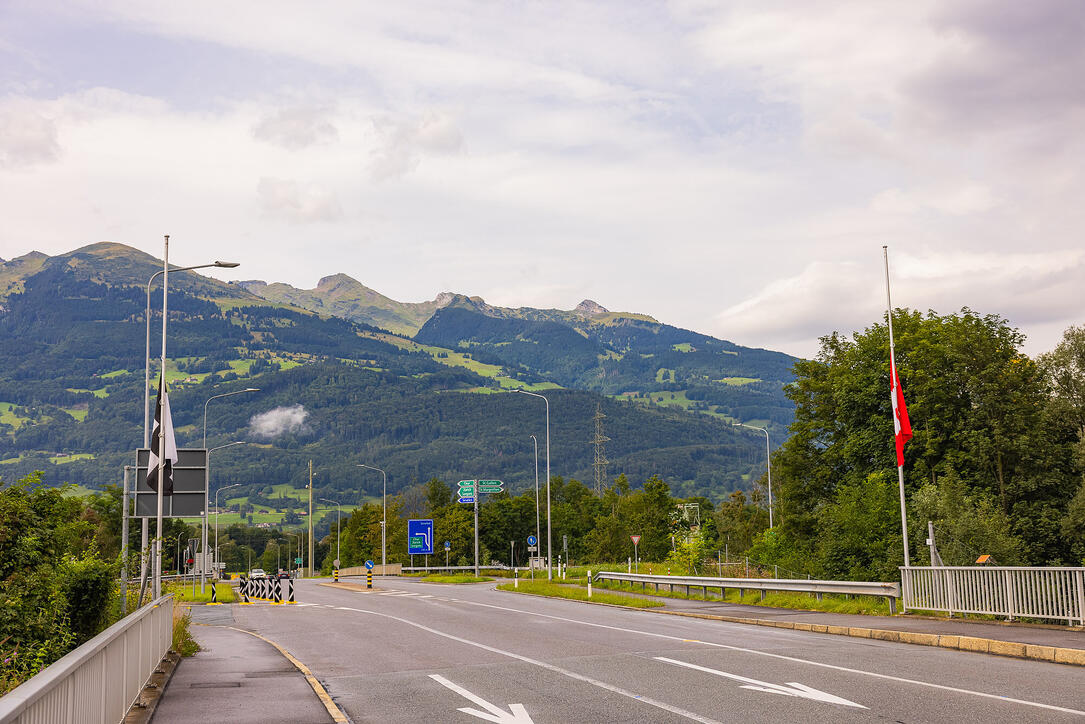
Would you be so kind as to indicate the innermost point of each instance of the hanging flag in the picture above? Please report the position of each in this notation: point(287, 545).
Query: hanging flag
point(902, 428)
point(163, 421)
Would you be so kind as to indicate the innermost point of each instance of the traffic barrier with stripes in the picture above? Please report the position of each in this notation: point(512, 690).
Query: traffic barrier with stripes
point(274, 590)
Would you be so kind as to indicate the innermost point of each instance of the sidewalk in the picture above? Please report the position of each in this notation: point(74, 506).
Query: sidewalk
point(236, 677)
point(1047, 643)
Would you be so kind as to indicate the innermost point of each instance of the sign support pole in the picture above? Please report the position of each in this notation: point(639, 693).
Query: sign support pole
point(476, 528)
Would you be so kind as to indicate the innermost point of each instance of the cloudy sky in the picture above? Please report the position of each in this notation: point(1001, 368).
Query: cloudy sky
point(730, 167)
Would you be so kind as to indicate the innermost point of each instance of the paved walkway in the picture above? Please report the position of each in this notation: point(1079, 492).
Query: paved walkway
point(236, 677)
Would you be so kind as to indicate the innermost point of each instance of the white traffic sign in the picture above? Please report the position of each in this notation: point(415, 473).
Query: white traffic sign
point(792, 688)
point(635, 539)
point(516, 714)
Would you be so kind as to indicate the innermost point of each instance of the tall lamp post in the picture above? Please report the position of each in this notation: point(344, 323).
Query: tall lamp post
point(768, 460)
point(147, 355)
point(206, 487)
point(218, 557)
point(549, 547)
point(538, 528)
point(298, 536)
point(207, 476)
point(338, 527)
point(384, 517)
point(147, 398)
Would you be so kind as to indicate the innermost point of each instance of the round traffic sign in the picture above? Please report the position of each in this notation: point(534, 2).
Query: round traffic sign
point(448, 545)
point(369, 565)
point(532, 540)
point(336, 563)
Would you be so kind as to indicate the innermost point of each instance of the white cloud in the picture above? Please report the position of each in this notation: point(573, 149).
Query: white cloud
point(27, 136)
point(1028, 288)
point(296, 128)
point(279, 421)
point(286, 199)
point(400, 145)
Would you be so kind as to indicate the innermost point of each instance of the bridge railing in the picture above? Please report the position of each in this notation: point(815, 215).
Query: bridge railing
point(100, 680)
point(1049, 593)
point(890, 591)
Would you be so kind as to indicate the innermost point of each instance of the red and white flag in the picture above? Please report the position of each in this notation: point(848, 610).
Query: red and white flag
point(902, 428)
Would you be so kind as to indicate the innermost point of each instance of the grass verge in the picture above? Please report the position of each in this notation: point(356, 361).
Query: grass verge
point(867, 605)
point(438, 578)
point(183, 643)
point(555, 590)
point(224, 592)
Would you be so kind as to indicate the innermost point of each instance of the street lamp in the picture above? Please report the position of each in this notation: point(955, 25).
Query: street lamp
point(768, 460)
point(549, 547)
point(384, 516)
point(147, 356)
point(227, 487)
point(147, 399)
point(538, 528)
point(298, 536)
point(206, 487)
point(207, 475)
point(338, 527)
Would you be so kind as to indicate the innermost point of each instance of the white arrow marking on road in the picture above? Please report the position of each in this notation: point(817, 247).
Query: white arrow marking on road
point(791, 689)
point(516, 714)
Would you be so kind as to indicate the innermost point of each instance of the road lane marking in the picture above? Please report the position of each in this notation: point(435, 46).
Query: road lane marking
point(517, 714)
point(549, 667)
point(791, 689)
point(782, 657)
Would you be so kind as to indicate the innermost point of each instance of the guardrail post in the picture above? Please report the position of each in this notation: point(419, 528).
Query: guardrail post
point(1080, 596)
point(589, 584)
point(1007, 578)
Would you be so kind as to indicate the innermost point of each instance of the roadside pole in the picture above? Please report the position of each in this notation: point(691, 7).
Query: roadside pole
point(124, 544)
point(476, 528)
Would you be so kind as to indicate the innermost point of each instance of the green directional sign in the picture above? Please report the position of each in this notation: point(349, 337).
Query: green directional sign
point(490, 486)
point(417, 541)
point(298, 560)
point(467, 488)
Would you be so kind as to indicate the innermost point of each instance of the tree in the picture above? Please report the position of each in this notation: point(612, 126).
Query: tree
point(977, 409)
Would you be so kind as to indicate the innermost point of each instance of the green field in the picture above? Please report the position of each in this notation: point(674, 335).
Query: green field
point(683, 347)
point(61, 459)
point(9, 417)
point(97, 393)
point(663, 374)
point(739, 381)
point(452, 358)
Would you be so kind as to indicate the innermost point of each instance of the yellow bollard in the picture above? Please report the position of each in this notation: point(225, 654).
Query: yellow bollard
point(369, 578)
point(335, 575)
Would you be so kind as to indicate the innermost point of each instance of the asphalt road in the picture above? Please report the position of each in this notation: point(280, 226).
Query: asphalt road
point(414, 652)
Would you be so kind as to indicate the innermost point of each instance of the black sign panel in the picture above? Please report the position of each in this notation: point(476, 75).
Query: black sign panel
point(189, 486)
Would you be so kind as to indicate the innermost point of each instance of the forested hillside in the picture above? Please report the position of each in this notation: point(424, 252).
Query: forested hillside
point(71, 379)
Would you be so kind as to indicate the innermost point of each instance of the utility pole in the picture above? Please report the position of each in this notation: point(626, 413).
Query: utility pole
point(311, 574)
point(599, 467)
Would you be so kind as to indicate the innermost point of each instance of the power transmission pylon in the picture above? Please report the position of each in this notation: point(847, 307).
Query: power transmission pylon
point(600, 440)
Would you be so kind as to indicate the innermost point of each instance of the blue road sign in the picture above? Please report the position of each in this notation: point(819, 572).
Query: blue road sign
point(467, 500)
point(448, 545)
point(532, 540)
point(420, 537)
point(369, 565)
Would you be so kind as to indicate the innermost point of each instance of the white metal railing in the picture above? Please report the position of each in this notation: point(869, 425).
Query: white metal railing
point(1014, 592)
point(890, 591)
point(99, 681)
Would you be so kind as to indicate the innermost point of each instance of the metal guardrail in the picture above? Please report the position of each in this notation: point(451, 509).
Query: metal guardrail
point(100, 680)
point(1010, 591)
point(890, 591)
point(497, 567)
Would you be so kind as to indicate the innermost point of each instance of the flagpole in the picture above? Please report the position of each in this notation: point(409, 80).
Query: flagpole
point(161, 426)
point(893, 391)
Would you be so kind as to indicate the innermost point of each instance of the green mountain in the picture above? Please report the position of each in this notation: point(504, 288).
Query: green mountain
point(342, 392)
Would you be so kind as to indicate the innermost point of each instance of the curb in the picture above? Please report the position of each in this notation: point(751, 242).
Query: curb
point(1012, 649)
point(336, 713)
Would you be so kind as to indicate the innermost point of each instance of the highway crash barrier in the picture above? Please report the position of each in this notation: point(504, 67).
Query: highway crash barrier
point(273, 590)
point(891, 591)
